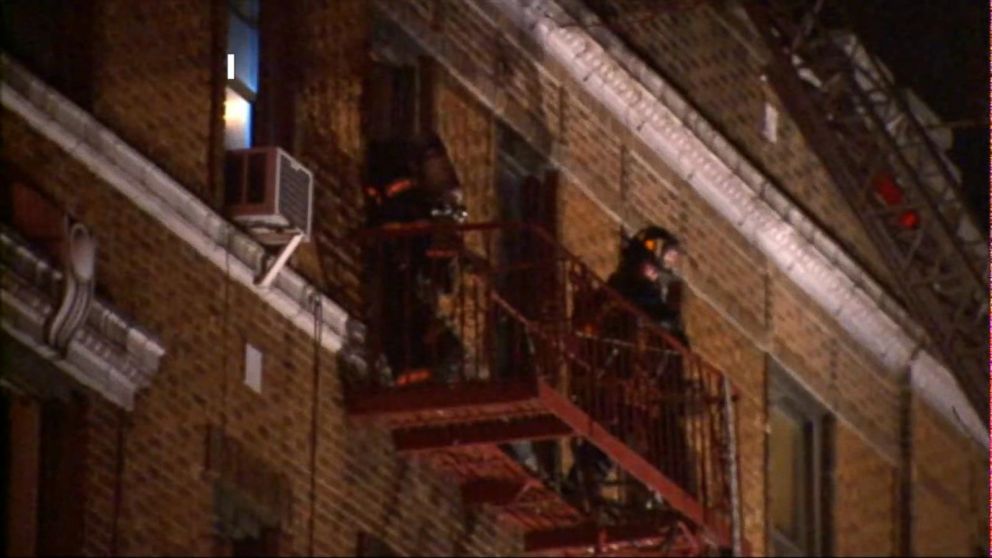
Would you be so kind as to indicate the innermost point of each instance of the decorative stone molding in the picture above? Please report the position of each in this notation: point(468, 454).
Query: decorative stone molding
point(93, 344)
point(77, 286)
point(638, 97)
point(165, 200)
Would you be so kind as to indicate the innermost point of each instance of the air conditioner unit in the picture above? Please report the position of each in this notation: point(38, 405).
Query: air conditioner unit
point(270, 193)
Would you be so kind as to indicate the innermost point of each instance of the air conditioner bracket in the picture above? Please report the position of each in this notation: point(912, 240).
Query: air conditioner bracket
point(270, 275)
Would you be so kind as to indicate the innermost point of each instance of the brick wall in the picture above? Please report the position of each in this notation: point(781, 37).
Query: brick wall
point(865, 498)
point(807, 342)
point(166, 495)
point(583, 229)
point(467, 131)
point(738, 307)
point(103, 422)
point(723, 267)
point(158, 83)
point(742, 308)
point(152, 71)
point(950, 489)
point(333, 59)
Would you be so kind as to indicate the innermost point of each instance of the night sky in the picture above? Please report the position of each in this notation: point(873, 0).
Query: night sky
point(940, 49)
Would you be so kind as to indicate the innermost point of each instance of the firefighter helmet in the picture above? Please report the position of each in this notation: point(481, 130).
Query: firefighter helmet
point(651, 243)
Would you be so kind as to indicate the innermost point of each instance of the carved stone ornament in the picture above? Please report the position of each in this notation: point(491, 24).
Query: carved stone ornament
point(77, 288)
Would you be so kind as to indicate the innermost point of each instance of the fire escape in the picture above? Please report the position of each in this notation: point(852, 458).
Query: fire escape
point(887, 158)
point(536, 365)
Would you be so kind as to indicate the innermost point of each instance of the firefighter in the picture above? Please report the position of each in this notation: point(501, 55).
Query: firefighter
point(656, 290)
point(646, 277)
point(412, 183)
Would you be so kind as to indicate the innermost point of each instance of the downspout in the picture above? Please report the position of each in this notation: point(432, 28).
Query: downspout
point(737, 521)
point(904, 499)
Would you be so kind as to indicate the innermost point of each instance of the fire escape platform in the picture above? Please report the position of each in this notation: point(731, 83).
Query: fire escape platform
point(489, 476)
point(433, 404)
point(622, 540)
point(511, 331)
point(457, 429)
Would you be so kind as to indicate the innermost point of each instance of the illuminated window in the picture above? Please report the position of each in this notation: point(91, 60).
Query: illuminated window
point(242, 90)
point(798, 469)
point(237, 121)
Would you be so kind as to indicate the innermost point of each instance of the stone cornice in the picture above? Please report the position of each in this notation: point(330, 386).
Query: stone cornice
point(169, 203)
point(108, 353)
point(638, 97)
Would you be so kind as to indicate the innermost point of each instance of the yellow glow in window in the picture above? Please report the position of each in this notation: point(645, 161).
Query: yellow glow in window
point(237, 121)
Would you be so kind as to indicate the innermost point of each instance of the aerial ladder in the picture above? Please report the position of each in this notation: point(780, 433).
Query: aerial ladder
point(886, 153)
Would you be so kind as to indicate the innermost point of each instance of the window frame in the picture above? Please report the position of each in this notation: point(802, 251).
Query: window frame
point(235, 85)
point(412, 75)
point(787, 396)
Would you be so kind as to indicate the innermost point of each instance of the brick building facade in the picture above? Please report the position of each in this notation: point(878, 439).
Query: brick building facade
point(115, 118)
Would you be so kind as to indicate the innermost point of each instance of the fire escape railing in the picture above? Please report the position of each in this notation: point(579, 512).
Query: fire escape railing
point(896, 179)
point(513, 305)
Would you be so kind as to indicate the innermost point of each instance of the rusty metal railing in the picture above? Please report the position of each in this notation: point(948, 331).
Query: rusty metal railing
point(483, 302)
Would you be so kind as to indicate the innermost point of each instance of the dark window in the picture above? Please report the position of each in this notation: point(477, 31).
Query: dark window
point(371, 545)
point(60, 482)
point(399, 98)
point(526, 182)
point(251, 500)
point(54, 39)
point(280, 54)
point(22, 434)
point(265, 543)
point(42, 474)
point(798, 469)
point(527, 193)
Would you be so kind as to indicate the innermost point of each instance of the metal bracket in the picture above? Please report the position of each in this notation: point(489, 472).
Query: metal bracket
point(266, 280)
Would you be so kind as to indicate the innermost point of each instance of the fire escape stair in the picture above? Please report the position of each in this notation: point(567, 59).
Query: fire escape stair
point(458, 430)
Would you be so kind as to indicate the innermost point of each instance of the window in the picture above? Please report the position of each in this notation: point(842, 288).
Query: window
point(242, 88)
point(371, 545)
point(244, 527)
point(55, 40)
point(400, 89)
point(526, 183)
point(526, 191)
point(42, 466)
point(251, 500)
point(263, 543)
point(798, 464)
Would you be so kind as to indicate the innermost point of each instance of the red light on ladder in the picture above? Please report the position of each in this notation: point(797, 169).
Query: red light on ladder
point(885, 186)
point(909, 219)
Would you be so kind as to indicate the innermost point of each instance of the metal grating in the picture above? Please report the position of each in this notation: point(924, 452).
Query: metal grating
point(295, 193)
